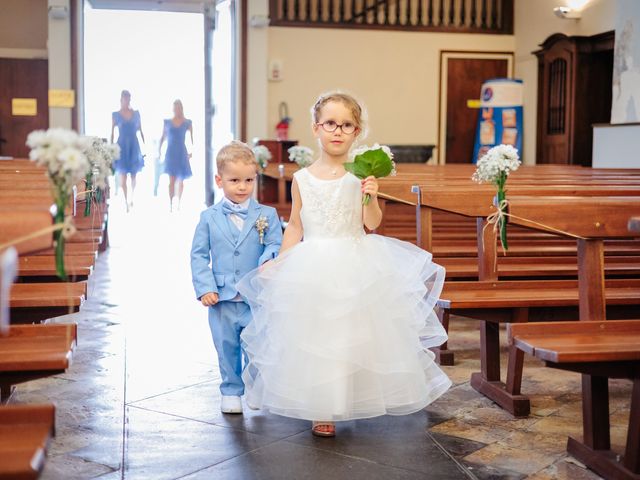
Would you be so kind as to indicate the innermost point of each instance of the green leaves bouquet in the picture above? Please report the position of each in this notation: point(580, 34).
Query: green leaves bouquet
point(376, 161)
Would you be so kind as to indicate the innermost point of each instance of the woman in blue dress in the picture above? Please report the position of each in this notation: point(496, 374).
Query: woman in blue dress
point(176, 160)
point(131, 161)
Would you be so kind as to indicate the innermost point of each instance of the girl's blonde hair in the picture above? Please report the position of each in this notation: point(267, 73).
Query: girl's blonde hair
point(357, 111)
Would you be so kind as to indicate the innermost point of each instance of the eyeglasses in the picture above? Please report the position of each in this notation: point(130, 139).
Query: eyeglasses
point(330, 126)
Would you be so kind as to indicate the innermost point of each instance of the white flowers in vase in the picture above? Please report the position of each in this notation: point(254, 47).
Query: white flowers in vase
point(499, 161)
point(302, 156)
point(263, 155)
point(494, 167)
point(101, 156)
point(61, 152)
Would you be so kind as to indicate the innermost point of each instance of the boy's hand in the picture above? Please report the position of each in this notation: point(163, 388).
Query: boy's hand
point(370, 186)
point(209, 299)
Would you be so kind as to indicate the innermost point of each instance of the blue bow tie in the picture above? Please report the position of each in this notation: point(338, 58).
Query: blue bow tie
point(227, 209)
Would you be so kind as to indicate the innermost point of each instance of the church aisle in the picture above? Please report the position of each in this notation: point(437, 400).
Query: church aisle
point(141, 399)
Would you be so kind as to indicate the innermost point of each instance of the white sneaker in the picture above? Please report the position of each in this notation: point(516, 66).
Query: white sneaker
point(252, 406)
point(231, 404)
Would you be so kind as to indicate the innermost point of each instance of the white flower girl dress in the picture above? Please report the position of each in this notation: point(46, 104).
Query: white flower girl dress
point(342, 321)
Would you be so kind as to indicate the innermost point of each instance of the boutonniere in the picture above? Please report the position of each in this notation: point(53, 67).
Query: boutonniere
point(261, 225)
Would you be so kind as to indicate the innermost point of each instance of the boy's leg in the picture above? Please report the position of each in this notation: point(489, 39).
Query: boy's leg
point(244, 314)
point(225, 330)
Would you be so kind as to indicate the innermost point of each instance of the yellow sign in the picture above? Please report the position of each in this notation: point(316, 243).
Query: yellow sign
point(27, 107)
point(473, 103)
point(62, 98)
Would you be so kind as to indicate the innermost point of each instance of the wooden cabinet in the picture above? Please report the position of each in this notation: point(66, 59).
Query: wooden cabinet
point(574, 92)
point(278, 149)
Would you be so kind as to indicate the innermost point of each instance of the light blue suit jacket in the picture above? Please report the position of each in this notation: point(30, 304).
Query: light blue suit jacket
point(218, 262)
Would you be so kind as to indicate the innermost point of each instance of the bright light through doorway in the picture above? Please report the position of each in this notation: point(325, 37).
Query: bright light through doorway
point(158, 57)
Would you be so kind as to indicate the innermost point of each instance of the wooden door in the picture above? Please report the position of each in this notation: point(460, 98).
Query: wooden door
point(22, 78)
point(465, 77)
point(556, 69)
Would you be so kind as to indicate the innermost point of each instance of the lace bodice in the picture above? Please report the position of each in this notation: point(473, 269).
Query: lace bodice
point(330, 208)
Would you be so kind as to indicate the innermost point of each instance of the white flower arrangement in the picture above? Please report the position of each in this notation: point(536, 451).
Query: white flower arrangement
point(376, 146)
point(101, 156)
point(302, 156)
point(501, 159)
point(263, 155)
point(495, 167)
point(62, 153)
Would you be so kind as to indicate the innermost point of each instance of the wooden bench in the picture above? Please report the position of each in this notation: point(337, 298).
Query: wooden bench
point(599, 350)
point(25, 432)
point(42, 268)
point(528, 267)
point(594, 219)
point(17, 222)
point(29, 352)
point(35, 302)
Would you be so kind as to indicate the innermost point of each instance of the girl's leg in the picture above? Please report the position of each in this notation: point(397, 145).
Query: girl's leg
point(133, 187)
point(172, 191)
point(180, 191)
point(123, 185)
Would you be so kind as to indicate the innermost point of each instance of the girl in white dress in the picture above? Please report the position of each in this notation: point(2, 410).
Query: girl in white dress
point(342, 321)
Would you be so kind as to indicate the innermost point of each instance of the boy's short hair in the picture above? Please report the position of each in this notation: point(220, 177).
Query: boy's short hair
point(235, 151)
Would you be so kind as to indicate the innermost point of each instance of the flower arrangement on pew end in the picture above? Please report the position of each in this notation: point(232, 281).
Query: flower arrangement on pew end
point(494, 167)
point(101, 156)
point(302, 156)
point(376, 161)
point(61, 152)
point(263, 156)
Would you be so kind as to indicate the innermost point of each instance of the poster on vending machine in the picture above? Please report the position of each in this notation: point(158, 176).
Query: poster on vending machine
point(500, 117)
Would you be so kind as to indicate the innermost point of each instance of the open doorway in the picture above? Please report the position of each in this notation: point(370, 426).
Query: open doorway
point(161, 56)
point(158, 57)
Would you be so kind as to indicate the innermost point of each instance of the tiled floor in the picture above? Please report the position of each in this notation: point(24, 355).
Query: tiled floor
point(141, 399)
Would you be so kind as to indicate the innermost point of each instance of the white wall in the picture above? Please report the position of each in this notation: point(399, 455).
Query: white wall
point(257, 54)
point(23, 29)
point(395, 74)
point(616, 146)
point(534, 22)
point(59, 48)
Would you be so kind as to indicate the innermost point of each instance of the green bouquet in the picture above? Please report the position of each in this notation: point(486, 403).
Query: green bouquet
point(376, 161)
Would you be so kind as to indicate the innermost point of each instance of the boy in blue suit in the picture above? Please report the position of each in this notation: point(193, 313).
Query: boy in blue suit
point(232, 238)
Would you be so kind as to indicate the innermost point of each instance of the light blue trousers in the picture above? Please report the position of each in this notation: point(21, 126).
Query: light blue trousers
point(226, 321)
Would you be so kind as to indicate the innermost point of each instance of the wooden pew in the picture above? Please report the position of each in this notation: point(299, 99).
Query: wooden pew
point(42, 268)
point(90, 236)
point(30, 352)
point(594, 218)
point(26, 353)
point(17, 222)
point(25, 432)
point(598, 350)
point(35, 302)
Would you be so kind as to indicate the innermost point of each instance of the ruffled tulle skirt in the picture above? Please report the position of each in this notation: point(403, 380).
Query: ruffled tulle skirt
point(341, 329)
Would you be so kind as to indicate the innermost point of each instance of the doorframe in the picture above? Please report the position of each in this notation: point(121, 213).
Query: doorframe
point(445, 55)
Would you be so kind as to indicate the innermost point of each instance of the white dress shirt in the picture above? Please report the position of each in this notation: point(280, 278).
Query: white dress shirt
point(235, 219)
